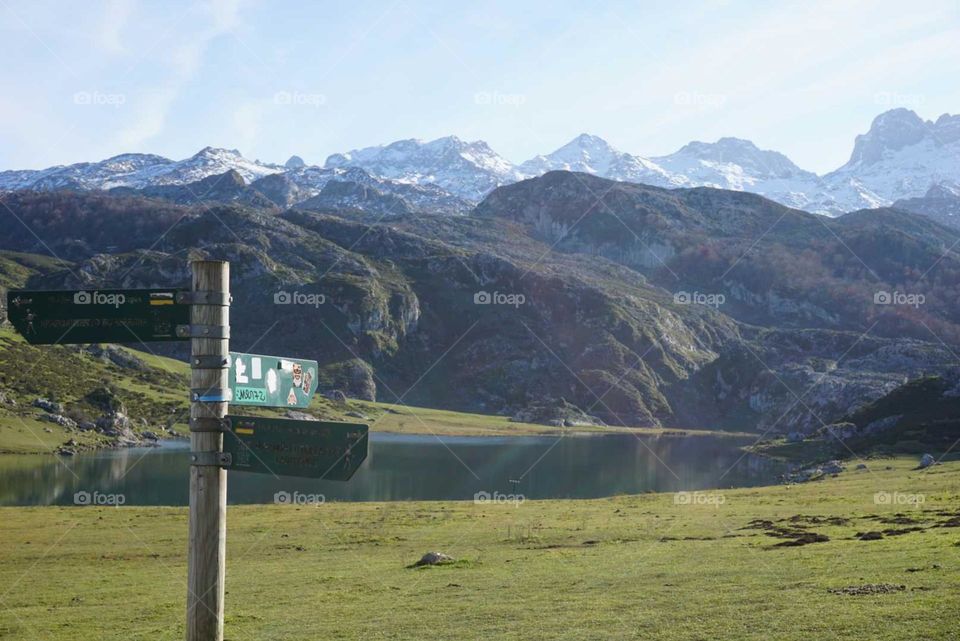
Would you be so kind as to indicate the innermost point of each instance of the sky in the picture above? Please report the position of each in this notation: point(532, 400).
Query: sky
point(88, 80)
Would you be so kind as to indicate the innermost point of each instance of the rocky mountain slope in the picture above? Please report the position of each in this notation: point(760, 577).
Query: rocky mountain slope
point(766, 264)
point(685, 307)
point(941, 203)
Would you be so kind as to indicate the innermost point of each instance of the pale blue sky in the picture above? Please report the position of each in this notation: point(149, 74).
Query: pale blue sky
point(84, 81)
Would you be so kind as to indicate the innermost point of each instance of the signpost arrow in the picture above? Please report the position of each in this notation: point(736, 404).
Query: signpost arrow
point(272, 381)
point(97, 316)
point(288, 447)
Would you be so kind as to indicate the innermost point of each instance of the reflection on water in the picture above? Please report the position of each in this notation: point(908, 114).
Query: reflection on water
point(413, 468)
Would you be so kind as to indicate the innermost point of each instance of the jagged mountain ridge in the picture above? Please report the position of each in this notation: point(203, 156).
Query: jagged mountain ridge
point(900, 157)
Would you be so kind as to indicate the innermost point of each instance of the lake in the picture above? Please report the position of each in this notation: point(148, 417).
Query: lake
point(405, 467)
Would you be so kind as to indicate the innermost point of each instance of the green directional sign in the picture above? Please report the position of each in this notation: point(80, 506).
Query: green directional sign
point(96, 316)
point(288, 447)
point(272, 381)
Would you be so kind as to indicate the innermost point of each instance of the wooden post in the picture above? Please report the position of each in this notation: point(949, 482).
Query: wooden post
point(206, 558)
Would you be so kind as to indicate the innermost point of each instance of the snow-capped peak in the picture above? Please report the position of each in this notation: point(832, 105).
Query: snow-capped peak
point(900, 157)
point(211, 161)
point(468, 169)
point(753, 162)
point(587, 153)
point(890, 132)
point(594, 155)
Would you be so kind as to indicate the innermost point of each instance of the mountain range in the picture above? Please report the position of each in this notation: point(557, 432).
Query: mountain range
point(901, 156)
point(634, 304)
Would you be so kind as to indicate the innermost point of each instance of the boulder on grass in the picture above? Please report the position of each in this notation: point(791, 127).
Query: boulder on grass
point(433, 558)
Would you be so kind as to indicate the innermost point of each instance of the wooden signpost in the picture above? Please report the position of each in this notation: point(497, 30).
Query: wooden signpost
point(218, 442)
point(209, 351)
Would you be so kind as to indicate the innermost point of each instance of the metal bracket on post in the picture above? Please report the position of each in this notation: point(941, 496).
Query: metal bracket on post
point(212, 458)
point(222, 299)
point(212, 361)
point(211, 395)
point(209, 424)
point(203, 331)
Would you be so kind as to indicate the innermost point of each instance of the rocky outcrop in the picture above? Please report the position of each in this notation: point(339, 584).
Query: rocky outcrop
point(558, 413)
point(116, 355)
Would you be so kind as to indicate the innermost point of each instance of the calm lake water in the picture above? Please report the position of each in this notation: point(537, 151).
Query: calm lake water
point(413, 468)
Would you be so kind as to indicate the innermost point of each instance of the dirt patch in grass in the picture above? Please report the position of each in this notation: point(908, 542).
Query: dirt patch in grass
point(796, 533)
point(868, 589)
point(804, 539)
point(869, 536)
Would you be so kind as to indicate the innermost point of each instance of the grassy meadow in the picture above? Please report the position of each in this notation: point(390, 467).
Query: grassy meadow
point(721, 565)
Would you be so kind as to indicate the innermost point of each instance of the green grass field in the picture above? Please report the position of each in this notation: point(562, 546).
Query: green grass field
point(631, 567)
